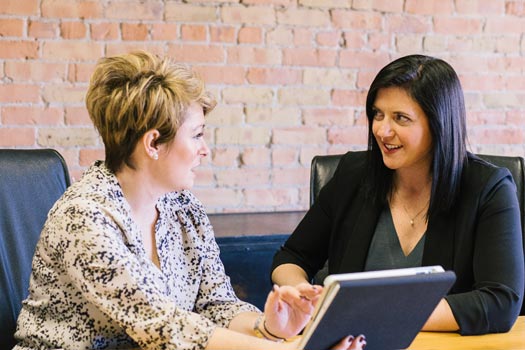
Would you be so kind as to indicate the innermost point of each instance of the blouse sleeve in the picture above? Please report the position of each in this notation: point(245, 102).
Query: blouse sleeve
point(109, 276)
point(498, 267)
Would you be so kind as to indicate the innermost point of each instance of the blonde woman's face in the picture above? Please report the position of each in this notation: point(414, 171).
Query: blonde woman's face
point(186, 151)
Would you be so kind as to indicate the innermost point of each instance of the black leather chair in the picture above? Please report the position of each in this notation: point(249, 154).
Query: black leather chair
point(30, 183)
point(323, 168)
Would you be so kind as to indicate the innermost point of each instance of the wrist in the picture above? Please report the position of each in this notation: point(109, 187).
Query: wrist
point(261, 331)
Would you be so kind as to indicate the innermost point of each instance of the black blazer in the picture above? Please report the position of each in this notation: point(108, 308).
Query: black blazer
point(480, 240)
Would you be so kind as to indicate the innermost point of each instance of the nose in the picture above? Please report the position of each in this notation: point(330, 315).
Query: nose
point(384, 129)
point(204, 149)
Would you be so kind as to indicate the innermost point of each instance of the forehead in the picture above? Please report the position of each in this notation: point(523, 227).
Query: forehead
point(397, 99)
point(193, 117)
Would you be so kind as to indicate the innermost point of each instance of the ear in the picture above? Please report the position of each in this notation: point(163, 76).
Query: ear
point(149, 143)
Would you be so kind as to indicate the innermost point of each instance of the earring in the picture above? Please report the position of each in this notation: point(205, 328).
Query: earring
point(155, 155)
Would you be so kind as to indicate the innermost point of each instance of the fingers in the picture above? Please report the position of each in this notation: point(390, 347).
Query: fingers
point(295, 299)
point(351, 343)
point(311, 292)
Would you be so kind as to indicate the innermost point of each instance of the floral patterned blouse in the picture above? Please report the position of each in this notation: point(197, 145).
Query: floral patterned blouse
point(93, 286)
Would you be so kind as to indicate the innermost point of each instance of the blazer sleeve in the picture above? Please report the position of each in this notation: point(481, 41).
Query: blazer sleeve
point(494, 302)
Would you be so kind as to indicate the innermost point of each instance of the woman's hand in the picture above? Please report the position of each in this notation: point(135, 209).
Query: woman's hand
point(288, 309)
point(351, 343)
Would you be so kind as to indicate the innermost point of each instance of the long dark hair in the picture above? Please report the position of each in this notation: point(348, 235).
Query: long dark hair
point(435, 86)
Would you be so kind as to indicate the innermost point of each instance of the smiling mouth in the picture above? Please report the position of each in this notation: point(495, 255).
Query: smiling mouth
point(392, 147)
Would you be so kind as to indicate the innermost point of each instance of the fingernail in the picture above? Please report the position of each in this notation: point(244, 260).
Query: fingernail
point(350, 339)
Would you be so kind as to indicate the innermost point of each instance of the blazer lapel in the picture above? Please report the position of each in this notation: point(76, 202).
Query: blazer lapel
point(360, 229)
point(439, 242)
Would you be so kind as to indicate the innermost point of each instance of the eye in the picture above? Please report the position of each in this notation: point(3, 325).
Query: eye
point(402, 118)
point(378, 115)
point(199, 135)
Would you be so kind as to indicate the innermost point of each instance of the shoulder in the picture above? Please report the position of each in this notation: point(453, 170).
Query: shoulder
point(481, 179)
point(480, 173)
point(353, 162)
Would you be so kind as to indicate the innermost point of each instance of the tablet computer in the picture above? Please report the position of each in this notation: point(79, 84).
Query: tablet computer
point(389, 307)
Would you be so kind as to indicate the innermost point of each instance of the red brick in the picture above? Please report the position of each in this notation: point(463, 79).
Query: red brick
point(349, 98)
point(117, 48)
point(273, 197)
point(221, 74)
point(104, 31)
point(516, 117)
point(328, 116)
point(248, 15)
point(222, 34)
point(77, 116)
point(134, 31)
point(242, 177)
point(299, 136)
point(515, 8)
point(302, 37)
point(89, 156)
point(357, 20)
point(303, 17)
point(72, 9)
point(285, 156)
point(35, 71)
point(196, 53)
point(189, 13)
point(80, 72)
point(72, 50)
point(225, 156)
point(357, 135)
point(73, 30)
point(256, 157)
point(164, 31)
point(408, 24)
point(433, 8)
point(331, 38)
point(253, 55)
point(269, 2)
point(497, 135)
point(19, 93)
point(218, 197)
point(19, 7)
point(193, 32)
point(363, 60)
point(39, 29)
point(291, 176)
point(135, 10)
point(477, 7)
point(465, 26)
point(250, 35)
point(32, 115)
point(309, 57)
point(11, 27)
point(16, 137)
point(505, 25)
point(274, 76)
point(354, 40)
point(63, 93)
point(18, 49)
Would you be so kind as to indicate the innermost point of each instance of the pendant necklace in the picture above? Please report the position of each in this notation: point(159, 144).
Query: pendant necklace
point(415, 216)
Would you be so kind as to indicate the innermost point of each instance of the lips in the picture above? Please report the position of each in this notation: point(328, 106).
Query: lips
point(392, 147)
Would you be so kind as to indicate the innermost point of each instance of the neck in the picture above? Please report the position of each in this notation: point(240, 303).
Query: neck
point(138, 190)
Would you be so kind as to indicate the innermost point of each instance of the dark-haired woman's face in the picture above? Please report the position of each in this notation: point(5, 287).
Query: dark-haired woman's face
point(401, 130)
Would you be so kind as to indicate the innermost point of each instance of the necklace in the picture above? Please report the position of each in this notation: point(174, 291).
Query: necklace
point(415, 216)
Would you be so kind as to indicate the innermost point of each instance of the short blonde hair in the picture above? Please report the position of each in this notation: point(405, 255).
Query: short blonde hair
point(132, 93)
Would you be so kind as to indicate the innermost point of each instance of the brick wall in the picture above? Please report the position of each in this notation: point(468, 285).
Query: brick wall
point(290, 76)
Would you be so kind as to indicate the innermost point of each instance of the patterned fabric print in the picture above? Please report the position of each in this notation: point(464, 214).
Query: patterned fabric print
point(93, 287)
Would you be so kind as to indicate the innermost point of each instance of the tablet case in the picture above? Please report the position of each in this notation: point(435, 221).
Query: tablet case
point(389, 311)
